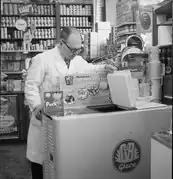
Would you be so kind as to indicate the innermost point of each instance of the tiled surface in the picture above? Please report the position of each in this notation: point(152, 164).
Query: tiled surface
point(13, 163)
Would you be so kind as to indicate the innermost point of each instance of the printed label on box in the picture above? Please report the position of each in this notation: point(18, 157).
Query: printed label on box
point(53, 103)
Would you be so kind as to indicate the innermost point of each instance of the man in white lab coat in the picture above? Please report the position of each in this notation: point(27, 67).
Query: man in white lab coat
point(43, 75)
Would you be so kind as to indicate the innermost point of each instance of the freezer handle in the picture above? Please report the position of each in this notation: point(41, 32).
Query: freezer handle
point(47, 116)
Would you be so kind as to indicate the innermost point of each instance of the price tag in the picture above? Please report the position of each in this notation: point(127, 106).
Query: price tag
point(21, 24)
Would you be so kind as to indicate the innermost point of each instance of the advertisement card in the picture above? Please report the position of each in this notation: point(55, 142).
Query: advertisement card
point(85, 90)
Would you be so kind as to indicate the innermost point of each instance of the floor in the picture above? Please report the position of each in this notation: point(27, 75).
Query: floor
point(13, 163)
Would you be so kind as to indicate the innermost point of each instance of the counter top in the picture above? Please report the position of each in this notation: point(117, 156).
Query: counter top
point(164, 138)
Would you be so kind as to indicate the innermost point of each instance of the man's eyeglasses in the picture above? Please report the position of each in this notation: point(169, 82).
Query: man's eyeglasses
point(74, 51)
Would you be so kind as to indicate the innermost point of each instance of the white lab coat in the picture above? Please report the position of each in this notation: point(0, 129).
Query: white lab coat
point(43, 75)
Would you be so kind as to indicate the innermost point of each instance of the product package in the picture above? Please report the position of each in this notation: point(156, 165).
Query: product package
point(77, 93)
point(85, 90)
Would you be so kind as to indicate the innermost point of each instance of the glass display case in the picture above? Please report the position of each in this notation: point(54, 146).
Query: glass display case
point(9, 117)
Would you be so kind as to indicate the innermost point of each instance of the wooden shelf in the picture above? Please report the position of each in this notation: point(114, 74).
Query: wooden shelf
point(16, 39)
point(29, 15)
point(75, 15)
point(5, 137)
point(168, 97)
point(163, 46)
point(167, 23)
point(29, 27)
point(125, 33)
point(22, 51)
point(82, 27)
point(164, 7)
point(13, 72)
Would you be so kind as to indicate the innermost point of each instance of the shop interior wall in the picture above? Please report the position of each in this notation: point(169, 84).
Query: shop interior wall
point(111, 11)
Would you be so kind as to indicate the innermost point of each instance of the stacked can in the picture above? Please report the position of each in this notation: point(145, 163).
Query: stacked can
point(155, 72)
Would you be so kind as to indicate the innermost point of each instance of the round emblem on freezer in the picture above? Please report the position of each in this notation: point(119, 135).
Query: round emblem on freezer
point(126, 156)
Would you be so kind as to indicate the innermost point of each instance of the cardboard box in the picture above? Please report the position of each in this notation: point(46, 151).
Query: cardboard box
point(167, 37)
point(93, 51)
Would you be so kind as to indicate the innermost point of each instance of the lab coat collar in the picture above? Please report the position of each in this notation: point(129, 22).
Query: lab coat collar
point(60, 64)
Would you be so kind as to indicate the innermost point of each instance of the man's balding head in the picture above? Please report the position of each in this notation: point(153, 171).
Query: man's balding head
point(72, 37)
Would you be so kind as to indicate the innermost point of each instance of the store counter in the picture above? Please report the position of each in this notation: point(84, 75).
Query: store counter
point(102, 145)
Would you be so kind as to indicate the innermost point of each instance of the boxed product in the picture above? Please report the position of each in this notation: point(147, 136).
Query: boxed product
point(167, 37)
point(53, 103)
point(77, 93)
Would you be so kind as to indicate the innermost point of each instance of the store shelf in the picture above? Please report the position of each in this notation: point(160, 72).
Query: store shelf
point(29, 27)
point(164, 7)
point(167, 23)
point(163, 46)
point(127, 23)
point(11, 92)
point(21, 51)
point(168, 97)
point(29, 15)
point(125, 33)
point(14, 39)
point(75, 15)
point(13, 72)
point(81, 27)
point(9, 137)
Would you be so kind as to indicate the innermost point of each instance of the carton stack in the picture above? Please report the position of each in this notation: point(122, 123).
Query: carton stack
point(103, 30)
point(95, 43)
point(111, 50)
point(90, 45)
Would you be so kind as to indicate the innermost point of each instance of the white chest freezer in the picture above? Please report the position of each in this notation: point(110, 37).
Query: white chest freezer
point(114, 145)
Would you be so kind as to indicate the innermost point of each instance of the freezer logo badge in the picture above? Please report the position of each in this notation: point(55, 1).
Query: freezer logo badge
point(126, 156)
point(69, 80)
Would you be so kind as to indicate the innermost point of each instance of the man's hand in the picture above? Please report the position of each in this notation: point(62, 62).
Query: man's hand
point(109, 68)
point(38, 111)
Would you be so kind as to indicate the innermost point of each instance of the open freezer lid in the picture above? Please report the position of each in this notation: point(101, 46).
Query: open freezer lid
point(123, 93)
point(121, 89)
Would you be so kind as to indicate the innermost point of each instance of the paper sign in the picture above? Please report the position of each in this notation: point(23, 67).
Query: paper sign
point(25, 10)
point(85, 90)
point(21, 24)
